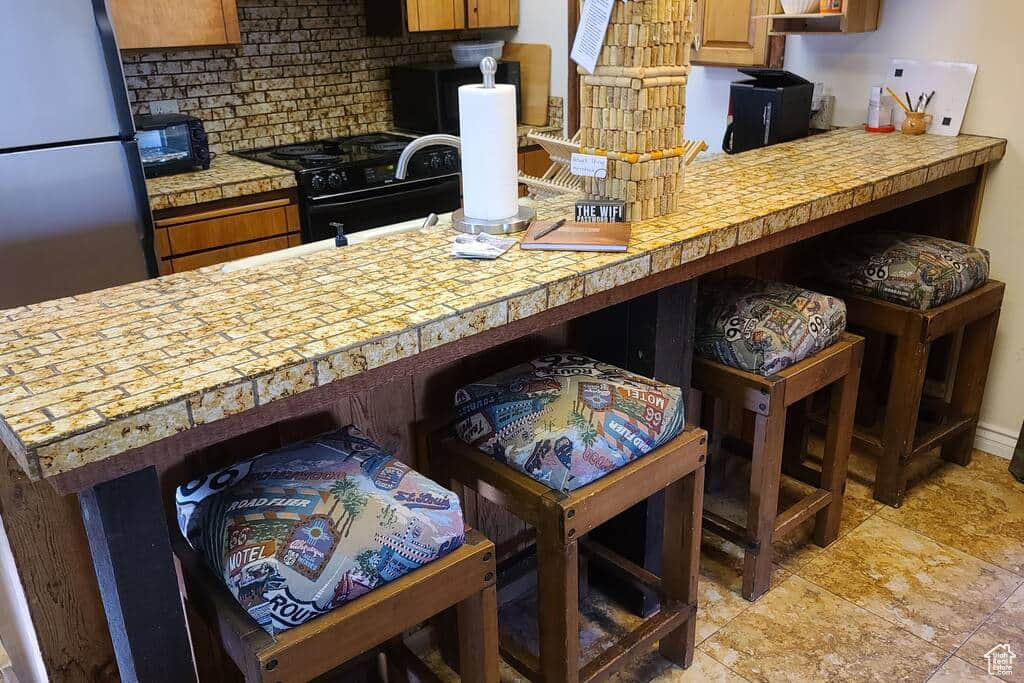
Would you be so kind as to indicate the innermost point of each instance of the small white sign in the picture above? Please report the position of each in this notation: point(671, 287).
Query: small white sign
point(586, 49)
point(589, 166)
point(1000, 660)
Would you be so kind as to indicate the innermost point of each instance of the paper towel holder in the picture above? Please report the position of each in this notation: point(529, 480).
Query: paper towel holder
point(504, 226)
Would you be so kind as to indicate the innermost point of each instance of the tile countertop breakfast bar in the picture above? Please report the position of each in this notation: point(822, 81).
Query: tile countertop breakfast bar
point(99, 391)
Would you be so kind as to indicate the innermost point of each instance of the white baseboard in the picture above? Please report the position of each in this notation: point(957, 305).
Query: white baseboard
point(995, 440)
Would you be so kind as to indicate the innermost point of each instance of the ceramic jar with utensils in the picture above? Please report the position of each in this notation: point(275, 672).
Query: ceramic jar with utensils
point(916, 123)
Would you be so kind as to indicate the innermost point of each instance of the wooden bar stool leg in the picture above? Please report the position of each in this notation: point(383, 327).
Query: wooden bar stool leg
point(478, 636)
point(906, 386)
point(717, 422)
point(684, 503)
point(794, 452)
point(763, 506)
point(557, 605)
point(969, 385)
point(838, 437)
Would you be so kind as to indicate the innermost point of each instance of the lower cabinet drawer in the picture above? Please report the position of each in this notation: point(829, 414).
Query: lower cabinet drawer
point(217, 232)
point(224, 231)
point(225, 254)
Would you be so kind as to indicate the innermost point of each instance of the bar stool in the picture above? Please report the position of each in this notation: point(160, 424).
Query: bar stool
point(919, 289)
point(307, 557)
point(566, 443)
point(763, 347)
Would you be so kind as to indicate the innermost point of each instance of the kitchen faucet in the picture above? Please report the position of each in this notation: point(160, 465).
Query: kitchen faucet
point(420, 143)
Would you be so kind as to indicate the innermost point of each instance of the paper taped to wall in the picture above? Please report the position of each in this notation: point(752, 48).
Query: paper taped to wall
point(586, 49)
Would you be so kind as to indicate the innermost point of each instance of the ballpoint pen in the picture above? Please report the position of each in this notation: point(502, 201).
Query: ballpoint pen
point(547, 231)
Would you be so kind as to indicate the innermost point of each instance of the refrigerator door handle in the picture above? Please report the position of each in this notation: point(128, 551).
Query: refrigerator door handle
point(115, 69)
point(145, 224)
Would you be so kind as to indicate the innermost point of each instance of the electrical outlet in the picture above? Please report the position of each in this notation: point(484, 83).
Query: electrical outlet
point(164, 107)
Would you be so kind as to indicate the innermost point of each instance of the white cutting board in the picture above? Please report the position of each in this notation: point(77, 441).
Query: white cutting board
point(951, 81)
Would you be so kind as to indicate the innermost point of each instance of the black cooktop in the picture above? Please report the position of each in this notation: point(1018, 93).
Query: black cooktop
point(331, 152)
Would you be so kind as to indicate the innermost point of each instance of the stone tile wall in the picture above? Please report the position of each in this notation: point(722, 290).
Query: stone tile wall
point(305, 69)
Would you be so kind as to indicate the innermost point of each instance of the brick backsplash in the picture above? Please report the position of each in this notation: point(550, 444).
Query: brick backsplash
point(305, 69)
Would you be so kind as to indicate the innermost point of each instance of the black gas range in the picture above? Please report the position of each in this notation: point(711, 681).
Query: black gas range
point(351, 182)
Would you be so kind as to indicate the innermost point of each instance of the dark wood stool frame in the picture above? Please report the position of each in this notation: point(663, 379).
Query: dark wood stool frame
point(977, 315)
point(562, 519)
point(464, 579)
point(769, 398)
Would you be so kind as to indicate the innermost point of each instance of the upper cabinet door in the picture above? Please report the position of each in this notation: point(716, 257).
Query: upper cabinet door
point(492, 13)
point(436, 15)
point(728, 34)
point(141, 24)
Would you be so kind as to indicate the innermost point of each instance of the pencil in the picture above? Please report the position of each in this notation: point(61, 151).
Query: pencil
point(928, 101)
point(547, 231)
point(899, 100)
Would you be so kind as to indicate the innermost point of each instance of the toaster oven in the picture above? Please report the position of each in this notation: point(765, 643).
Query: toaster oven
point(171, 143)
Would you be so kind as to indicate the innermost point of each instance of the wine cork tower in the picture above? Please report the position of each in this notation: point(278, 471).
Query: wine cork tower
point(633, 106)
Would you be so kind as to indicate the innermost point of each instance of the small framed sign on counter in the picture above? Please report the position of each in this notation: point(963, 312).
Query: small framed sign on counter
point(600, 211)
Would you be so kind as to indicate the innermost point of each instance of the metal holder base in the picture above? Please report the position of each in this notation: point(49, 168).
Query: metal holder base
point(506, 226)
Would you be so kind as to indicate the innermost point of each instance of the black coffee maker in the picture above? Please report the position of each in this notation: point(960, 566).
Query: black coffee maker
point(772, 106)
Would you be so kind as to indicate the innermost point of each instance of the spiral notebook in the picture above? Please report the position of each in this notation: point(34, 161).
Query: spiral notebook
point(579, 237)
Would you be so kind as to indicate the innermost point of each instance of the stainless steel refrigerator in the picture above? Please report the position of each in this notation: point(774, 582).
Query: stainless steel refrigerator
point(74, 213)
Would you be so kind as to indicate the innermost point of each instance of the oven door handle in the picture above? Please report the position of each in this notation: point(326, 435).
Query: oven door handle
point(383, 191)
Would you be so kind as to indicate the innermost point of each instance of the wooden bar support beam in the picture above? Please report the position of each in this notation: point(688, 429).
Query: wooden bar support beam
point(131, 551)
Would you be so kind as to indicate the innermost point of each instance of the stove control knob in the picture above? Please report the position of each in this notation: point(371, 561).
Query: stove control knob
point(334, 180)
point(317, 183)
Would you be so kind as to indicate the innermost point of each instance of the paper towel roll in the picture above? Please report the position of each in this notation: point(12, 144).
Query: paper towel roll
point(490, 151)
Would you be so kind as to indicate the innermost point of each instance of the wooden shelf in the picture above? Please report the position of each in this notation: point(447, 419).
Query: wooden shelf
point(858, 16)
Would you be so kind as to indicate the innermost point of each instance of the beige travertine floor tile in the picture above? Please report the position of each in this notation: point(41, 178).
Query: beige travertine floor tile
point(800, 632)
point(602, 621)
point(703, 669)
point(1006, 625)
point(978, 509)
point(957, 670)
point(931, 590)
point(719, 600)
point(799, 547)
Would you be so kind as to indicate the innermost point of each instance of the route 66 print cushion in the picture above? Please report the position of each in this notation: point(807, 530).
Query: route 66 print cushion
point(302, 530)
point(918, 271)
point(764, 327)
point(567, 420)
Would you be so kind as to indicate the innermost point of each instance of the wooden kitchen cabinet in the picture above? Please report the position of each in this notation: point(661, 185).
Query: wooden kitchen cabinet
point(208, 234)
point(395, 17)
point(492, 13)
point(148, 24)
point(728, 34)
point(435, 15)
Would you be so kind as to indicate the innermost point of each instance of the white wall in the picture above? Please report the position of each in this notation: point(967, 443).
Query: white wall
point(707, 104)
point(546, 21)
point(987, 33)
